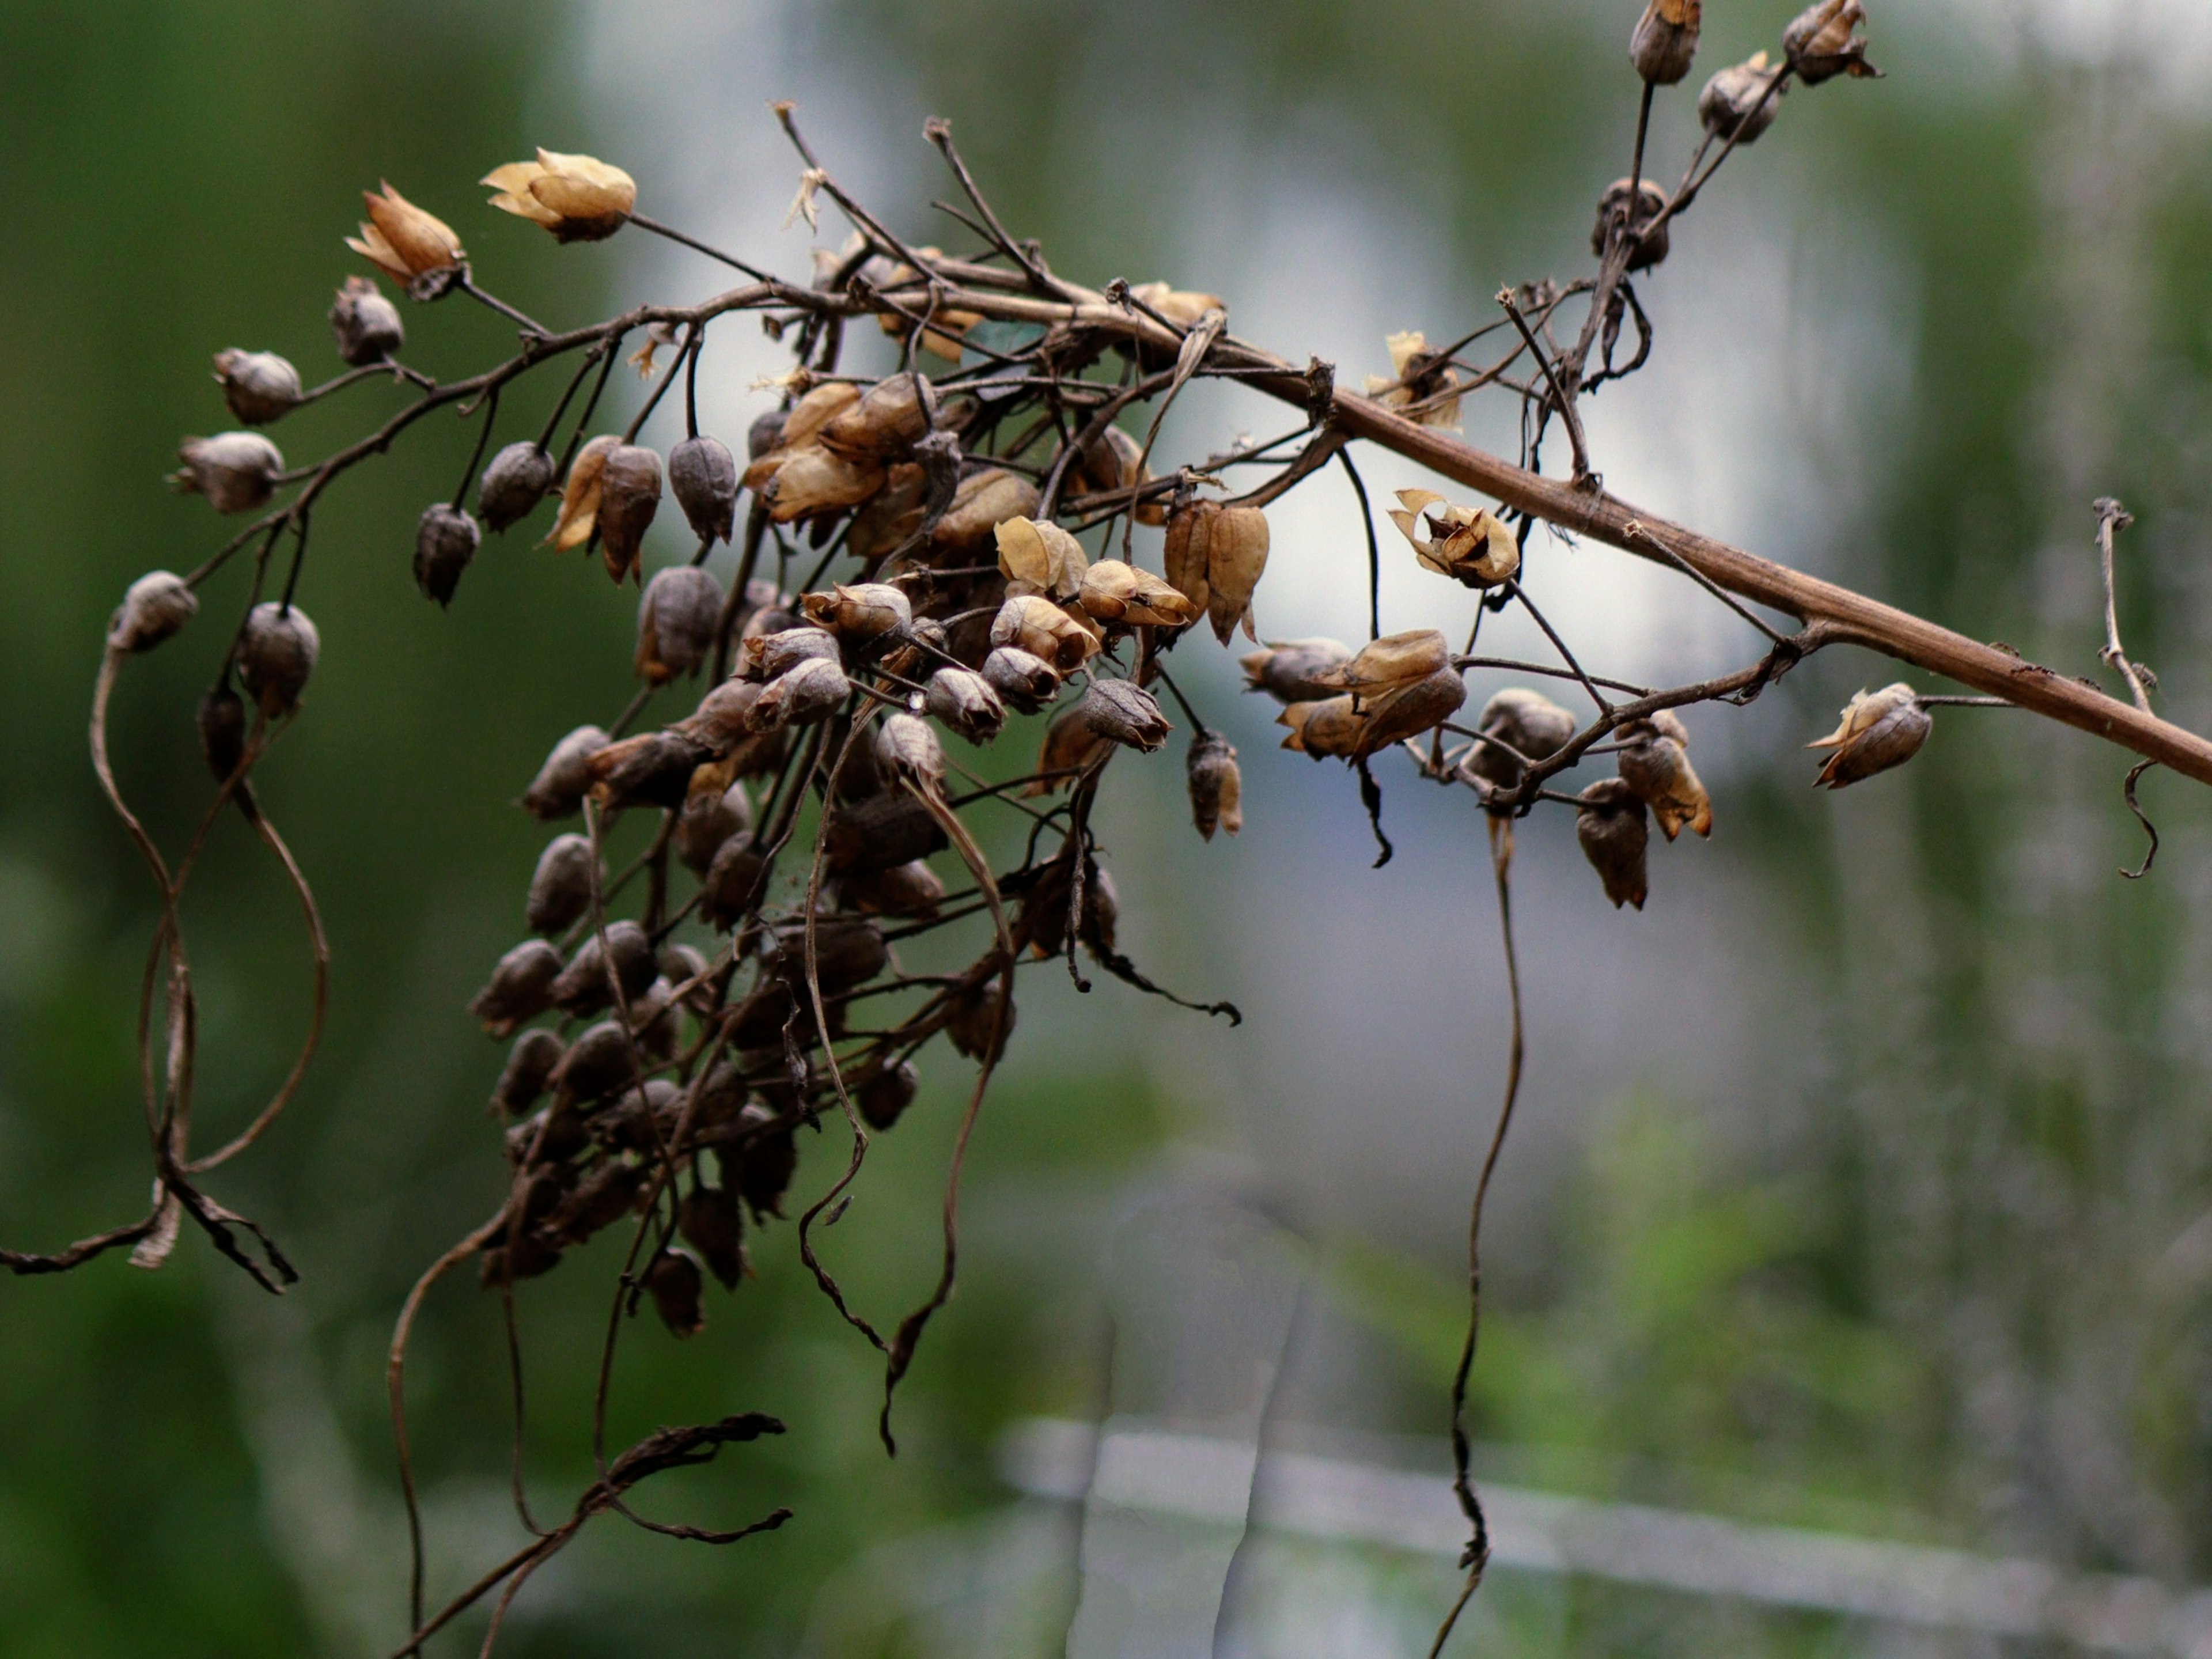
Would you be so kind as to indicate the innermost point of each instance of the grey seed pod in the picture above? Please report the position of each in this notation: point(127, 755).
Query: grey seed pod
point(1611, 826)
point(848, 951)
point(1024, 680)
point(513, 485)
point(884, 1092)
point(973, 1016)
point(629, 496)
point(723, 719)
point(711, 1223)
point(906, 749)
point(654, 769)
point(965, 701)
point(1665, 40)
point(561, 886)
point(445, 540)
point(732, 881)
point(806, 692)
point(154, 608)
point(1527, 722)
point(702, 475)
point(1291, 671)
point(276, 652)
point(768, 655)
point(1738, 98)
point(259, 386)
point(602, 1198)
point(566, 777)
point(1216, 785)
point(365, 323)
point(770, 1161)
point(1880, 730)
point(521, 988)
point(528, 1072)
point(1650, 203)
point(1823, 42)
point(222, 731)
point(644, 1120)
point(678, 615)
point(235, 471)
point(599, 1063)
point(582, 985)
point(654, 1018)
point(1119, 710)
point(757, 1023)
point(878, 832)
point(765, 434)
point(709, 818)
point(676, 1285)
point(683, 965)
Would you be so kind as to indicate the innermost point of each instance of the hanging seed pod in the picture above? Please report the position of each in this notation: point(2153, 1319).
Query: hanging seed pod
point(276, 652)
point(513, 484)
point(864, 611)
point(1880, 729)
point(236, 471)
point(445, 541)
point(1655, 764)
point(153, 609)
point(1113, 591)
point(655, 1023)
point(222, 732)
point(1036, 625)
point(964, 702)
point(1072, 747)
point(770, 1161)
point(1741, 102)
point(709, 817)
point(765, 656)
point(643, 1120)
point(408, 243)
point(1235, 558)
point(1101, 910)
point(690, 977)
point(1217, 786)
point(1528, 723)
point(600, 1199)
point(886, 419)
point(806, 692)
point(1471, 545)
point(1389, 663)
point(563, 780)
point(974, 1016)
point(653, 768)
point(765, 435)
point(807, 418)
point(1823, 42)
point(1331, 726)
point(582, 987)
point(1120, 711)
point(561, 886)
point(528, 1072)
point(1190, 531)
point(1413, 710)
point(983, 501)
point(878, 832)
point(892, 518)
point(559, 1133)
point(702, 475)
point(732, 883)
point(1024, 681)
point(578, 517)
point(717, 1098)
point(1610, 825)
point(521, 988)
point(1613, 208)
point(711, 1223)
point(1114, 463)
point(259, 386)
point(723, 721)
point(629, 495)
point(678, 615)
point(907, 750)
point(811, 481)
point(1665, 40)
point(758, 1023)
point(1041, 556)
point(1295, 671)
point(365, 323)
point(903, 890)
point(848, 952)
point(882, 1094)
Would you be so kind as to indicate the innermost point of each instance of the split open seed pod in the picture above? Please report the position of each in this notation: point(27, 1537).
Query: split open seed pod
point(1112, 592)
point(983, 503)
point(1879, 730)
point(884, 421)
point(580, 497)
point(1043, 556)
point(1036, 625)
point(1655, 763)
point(1295, 671)
point(1470, 544)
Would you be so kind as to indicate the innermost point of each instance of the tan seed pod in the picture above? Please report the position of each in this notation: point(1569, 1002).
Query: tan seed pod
point(883, 1093)
point(1611, 827)
point(1124, 712)
point(366, 325)
point(811, 480)
point(153, 609)
point(710, 814)
point(907, 750)
point(1823, 42)
point(1879, 730)
point(806, 417)
point(1190, 534)
point(579, 198)
point(678, 615)
point(1113, 591)
point(513, 484)
point(236, 471)
point(521, 988)
point(404, 241)
point(1295, 671)
point(865, 610)
point(1410, 710)
point(1650, 203)
point(1655, 764)
point(1072, 745)
point(983, 501)
point(964, 701)
point(1665, 40)
point(561, 886)
point(1043, 555)
point(653, 768)
point(886, 419)
point(1236, 557)
point(276, 652)
point(565, 778)
point(903, 890)
point(629, 496)
point(259, 386)
point(806, 692)
point(1389, 663)
point(732, 886)
point(1217, 786)
point(446, 540)
point(893, 517)
point(1471, 545)
point(1417, 374)
point(1330, 726)
point(528, 1072)
point(578, 515)
point(1045, 630)
point(1741, 102)
point(1115, 462)
point(702, 475)
point(1528, 723)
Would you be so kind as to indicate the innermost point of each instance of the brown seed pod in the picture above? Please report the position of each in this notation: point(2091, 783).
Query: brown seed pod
point(643, 1120)
point(561, 886)
point(903, 890)
point(723, 721)
point(1036, 625)
point(1217, 786)
point(886, 419)
point(1332, 725)
point(653, 767)
point(713, 812)
point(1115, 462)
point(1295, 671)
point(1823, 42)
point(879, 832)
point(222, 731)
point(678, 615)
point(765, 1167)
point(1412, 709)
point(528, 1072)
point(1041, 556)
point(893, 516)
point(153, 609)
point(732, 884)
point(806, 692)
point(1656, 763)
point(765, 656)
point(563, 780)
point(806, 417)
point(1112, 592)
point(863, 611)
point(683, 966)
point(629, 496)
point(759, 1019)
point(1125, 714)
point(600, 1199)
point(582, 987)
point(259, 386)
point(1472, 545)
point(1741, 102)
point(983, 501)
point(579, 516)
point(1235, 558)
point(848, 952)
point(276, 652)
point(521, 988)
point(1025, 681)
point(655, 1023)
point(765, 435)
point(882, 1094)
point(1665, 40)
point(1650, 203)
point(236, 471)
point(1528, 723)
point(811, 481)
point(702, 475)
point(712, 1223)
point(1072, 745)
point(599, 1063)
point(964, 701)
point(1190, 531)
point(1610, 825)
point(1389, 663)
point(446, 540)
point(365, 323)
point(1879, 730)
point(974, 1016)
point(907, 750)
point(513, 484)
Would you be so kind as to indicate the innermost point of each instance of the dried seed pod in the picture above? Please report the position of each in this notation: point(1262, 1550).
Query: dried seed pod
point(702, 475)
point(907, 750)
point(1332, 725)
point(561, 886)
point(1122, 712)
point(1417, 375)
point(1115, 462)
point(983, 501)
point(1823, 42)
point(710, 1221)
point(653, 767)
point(1410, 710)
point(563, 780)
point(723, 719)
point(709, 817)
point(810, 481)
point(759, 1020)
point(1072, 746)
point(445, 541)
point(1294, 671)
point(600, 1199)
point(731, 886)
point(1879, 730)
point(848, 951)
point(235, 471)
point(1190, 531)
point(1389, 663)
point(815, 411)
point(643, 1120)
point(886, 419)
point(863, 611)
point(1112, 592)
point(765, 656)
point(276, 651)
point(1655, 764)
point(521, 988)
point(807, 691)
point(513, 484)
point(365, 323)
point(1741, 102)
point(1610, 825)
point(1613, 206)
point(528, 1072)
point(582, 987)
point(1527, 723)
point(893, 517)
point(765, 435)
point(976, 1014)
point(879, 832)
point(770, 1160)
point(1024, 680)
point(629, 495)
point(404, 241)
point(1471, 545)
point(259, 386)
point(1041, 555)
point(965, 701)
point(154, 608)
point(903, 890)
point(690, 977)
point(579, 516)
point(655, 1023)
point(1036, 625)
point(882, 1093)
point(579, 198)
point(1236, 557)
point(678, 615)
point(1665, 40)
point(1217, 786)
point(222, 732)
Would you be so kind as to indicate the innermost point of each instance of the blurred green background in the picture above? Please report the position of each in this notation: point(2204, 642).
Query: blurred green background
point(1926, 1256)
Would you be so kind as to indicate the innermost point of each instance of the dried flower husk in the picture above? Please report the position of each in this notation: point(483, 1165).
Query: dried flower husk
point(878, 832)
point(713, 810)
point(1415, 377)
point(1217, 786)
point(1650, 203)
point(403, 240)
point(1737, 101)
point(975, 1014)
point(1527, 722)
point(806, 417)
point(811, 480)
point(1125, 712)
point(1610, 826)
point(513, 484)
point(602, 1198)
point(446, 540)
point(1034, 624)
point(579, 198)
point(903, 890)
point(528, 1072)
point(964, 701)
point(1024, 681)
point(689, 977)
point(582, 988)
point(521, 988)
point(580, 495)
point(882, 1093)
point(1072, 745)
point(763, 1016)
point(1043, 555)
point(153, 609)
point(1656, 763)
point(629, 496)
point(702, 475)
point(864, 611)
point(848, 952)
point(565, 778)
point(1387, 665)
point(1470, 544)
point(221, 722)
point(765, 656)
point(907, 750)
point(983, 501)
point(892, 517)
point(1665, 40)
point(1412, 709)
point(770, 1159)
point(1295, 671)
point(806, 692)
point(1879, 730)
point(722, 724)
point(365, 323)
point(236, 471)
point(1331, 725)
point(653, 768)
point(731, 886)
point(678, 615)
point(276, 652)
point(259, 386)
point(1823, 42)
point(1113, 591)
point(1236, 557)
point(1114, 463)
point(1041, 921)
point(561, 886)
point(712, 1223)
point(886, 419)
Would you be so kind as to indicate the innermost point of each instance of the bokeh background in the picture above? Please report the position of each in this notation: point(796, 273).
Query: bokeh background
point(1862, 1180)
